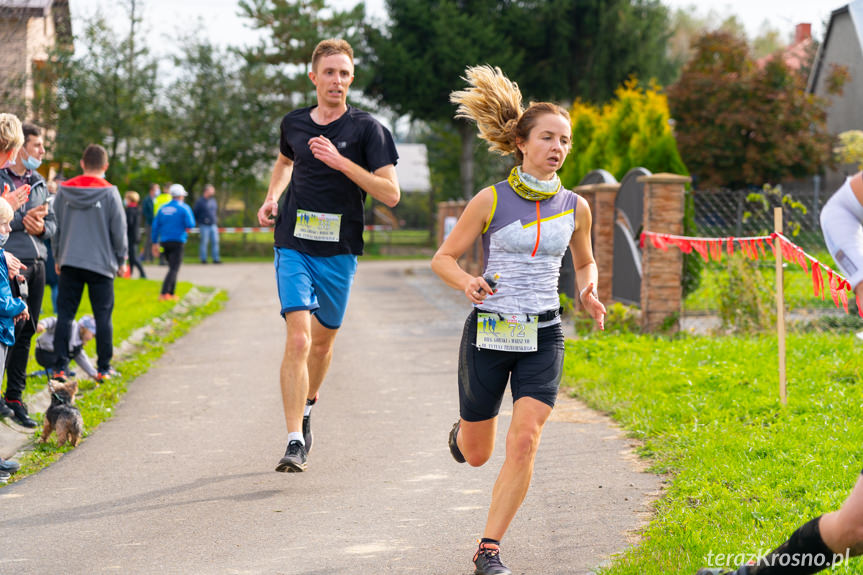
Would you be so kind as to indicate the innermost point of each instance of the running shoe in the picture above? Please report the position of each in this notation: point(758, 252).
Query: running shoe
point(307, 425)
point(8, 466)
point(487, 561)
point(294, 459)
point(453, 444)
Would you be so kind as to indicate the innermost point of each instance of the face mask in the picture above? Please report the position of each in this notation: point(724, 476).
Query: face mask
point(3, 238)
point(31, 163)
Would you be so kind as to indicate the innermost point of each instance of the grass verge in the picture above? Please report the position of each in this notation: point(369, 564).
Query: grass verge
point(743, 471)
point(137, 306)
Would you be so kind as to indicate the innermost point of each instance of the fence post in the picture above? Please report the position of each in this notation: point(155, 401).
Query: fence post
point(780, 304)
point(662, 271)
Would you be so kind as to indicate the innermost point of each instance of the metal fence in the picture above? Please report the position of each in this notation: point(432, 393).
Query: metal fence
point(749, 212)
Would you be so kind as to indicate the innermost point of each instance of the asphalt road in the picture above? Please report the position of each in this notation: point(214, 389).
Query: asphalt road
point(181, 480)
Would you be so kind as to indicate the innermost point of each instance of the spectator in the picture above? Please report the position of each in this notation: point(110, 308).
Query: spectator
point(206, 214)
point(90, 249)
point(12, 309)
point(163, 198)
point(148, 209)
point(132, 216)
point(83, 330)
point(32, 223)
point(50, 272)
point(171, 229)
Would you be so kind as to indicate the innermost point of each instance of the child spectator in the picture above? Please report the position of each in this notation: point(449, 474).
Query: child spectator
point(83, 330)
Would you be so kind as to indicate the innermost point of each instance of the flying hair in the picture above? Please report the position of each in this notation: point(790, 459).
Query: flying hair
point(494, 102)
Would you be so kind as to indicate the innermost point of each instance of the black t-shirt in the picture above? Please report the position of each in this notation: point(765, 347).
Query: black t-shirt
point(315, 187)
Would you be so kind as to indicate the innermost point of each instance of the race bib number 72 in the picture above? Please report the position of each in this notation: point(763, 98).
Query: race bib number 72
point(506, 332)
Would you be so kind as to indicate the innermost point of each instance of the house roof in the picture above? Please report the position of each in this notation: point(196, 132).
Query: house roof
point(855, 10)
point(59, 9)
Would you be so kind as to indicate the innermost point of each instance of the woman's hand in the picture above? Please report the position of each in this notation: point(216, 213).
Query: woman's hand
point(477, 289)
point(590, 302)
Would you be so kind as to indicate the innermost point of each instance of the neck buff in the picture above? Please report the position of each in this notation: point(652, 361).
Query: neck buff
point(531, 188)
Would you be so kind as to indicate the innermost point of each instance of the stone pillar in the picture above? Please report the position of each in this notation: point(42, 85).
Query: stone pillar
point(662, 271)
point(600, 198)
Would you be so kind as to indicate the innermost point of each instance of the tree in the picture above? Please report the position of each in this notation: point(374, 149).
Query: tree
point(556, 50)
point(419, 58)
point(104, 94)
point(740, 125)
point(217, 125)
point(296, 27)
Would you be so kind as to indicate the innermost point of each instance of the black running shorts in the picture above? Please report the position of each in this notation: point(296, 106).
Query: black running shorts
point(484, 373)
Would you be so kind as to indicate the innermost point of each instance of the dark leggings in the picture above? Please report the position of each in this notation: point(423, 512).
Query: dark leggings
point(174, 255)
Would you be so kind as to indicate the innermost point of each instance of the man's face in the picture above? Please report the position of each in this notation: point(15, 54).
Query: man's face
point(209, 192)
point(332, 76)
point(34, 147)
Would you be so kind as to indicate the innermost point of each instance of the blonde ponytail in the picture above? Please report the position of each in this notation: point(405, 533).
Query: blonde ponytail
point(493, 101)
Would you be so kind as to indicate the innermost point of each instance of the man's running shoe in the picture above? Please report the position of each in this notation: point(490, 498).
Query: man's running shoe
point(294, 459)
point(20, 414)
point(307, 425)
point(60, 376)
point(453, 443)
point(487, 561)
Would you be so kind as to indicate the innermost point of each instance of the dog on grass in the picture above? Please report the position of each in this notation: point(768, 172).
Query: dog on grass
point(62, 415)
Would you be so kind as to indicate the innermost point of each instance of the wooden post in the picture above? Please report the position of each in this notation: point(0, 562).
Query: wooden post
point(780, 305)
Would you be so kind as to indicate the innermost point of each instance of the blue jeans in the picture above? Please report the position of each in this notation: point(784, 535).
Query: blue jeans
point(209, 235)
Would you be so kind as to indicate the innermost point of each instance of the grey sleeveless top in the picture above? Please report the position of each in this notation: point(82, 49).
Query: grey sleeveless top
point(528, 280)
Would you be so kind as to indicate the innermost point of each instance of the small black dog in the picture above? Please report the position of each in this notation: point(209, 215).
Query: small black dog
point(62, 415)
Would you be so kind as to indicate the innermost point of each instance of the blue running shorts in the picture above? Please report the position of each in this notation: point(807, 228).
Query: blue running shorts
point(321, 285)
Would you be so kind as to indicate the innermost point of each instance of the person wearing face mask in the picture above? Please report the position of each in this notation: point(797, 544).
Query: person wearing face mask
point(33, 222)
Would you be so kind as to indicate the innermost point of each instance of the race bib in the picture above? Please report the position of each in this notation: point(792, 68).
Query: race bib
point(317, 226)
point(502, 332)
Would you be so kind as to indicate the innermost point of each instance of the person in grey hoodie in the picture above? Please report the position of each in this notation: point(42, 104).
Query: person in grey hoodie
point(90, 248)
point(32, 223)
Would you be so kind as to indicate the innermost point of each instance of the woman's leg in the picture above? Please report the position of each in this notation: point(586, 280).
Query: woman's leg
point(528, 418)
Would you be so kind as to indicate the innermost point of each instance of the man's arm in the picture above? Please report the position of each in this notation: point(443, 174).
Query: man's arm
point(382, 184)
point(117, 224)
point(279, 180)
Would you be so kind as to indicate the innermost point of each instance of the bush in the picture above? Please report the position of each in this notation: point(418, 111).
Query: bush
point(745, 302)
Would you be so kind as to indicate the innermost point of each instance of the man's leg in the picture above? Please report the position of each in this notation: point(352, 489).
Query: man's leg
point(216, 256)
point(205, 241)
point(101, 290)
point(71, 287)
point(294, 381)
point(320, 356)
point(19, 353)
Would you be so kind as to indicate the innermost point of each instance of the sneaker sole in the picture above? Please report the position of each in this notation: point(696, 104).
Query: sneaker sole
point(290, 467)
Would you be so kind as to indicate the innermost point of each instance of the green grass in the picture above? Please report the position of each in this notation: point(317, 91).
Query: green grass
point(797, 285)
point(743, 471)
point(136, 304)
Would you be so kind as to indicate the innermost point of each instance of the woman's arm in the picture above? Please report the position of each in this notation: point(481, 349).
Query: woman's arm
point(586, 274)
point(468, 228)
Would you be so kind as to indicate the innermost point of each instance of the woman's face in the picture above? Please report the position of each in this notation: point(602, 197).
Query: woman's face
point(547, 146)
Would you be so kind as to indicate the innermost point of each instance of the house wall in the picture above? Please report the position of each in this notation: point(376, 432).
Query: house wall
point(843, 48)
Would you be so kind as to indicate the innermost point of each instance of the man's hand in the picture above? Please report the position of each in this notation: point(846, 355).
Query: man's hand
point(34, 220)
point(325, 151)
point(121, 271)
point(268, 212)
point(40, 328)
point(155, 250)
point(14, 264)
point(17, 197)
